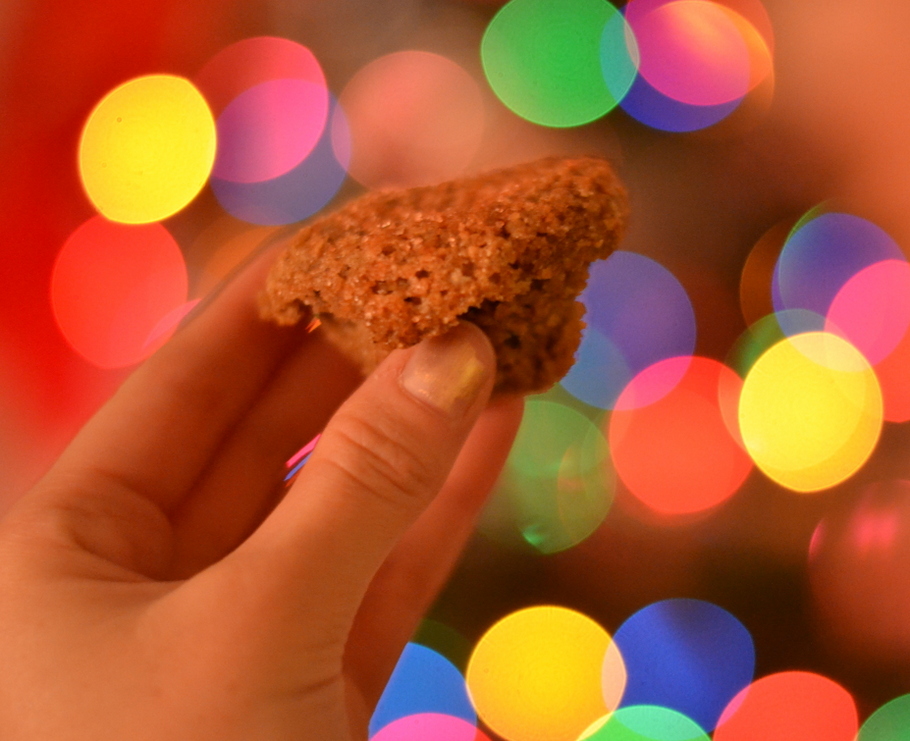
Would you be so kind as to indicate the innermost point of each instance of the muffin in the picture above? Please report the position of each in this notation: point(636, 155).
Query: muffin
point(508, 250)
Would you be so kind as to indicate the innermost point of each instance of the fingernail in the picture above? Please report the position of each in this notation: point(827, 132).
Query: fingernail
point(446, 372)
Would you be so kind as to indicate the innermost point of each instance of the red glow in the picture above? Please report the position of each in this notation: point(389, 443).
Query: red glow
point(112, 285)
point(680, 454)
point(858, 563)
point(894, 377)
point(251, 62)
point(790, 706)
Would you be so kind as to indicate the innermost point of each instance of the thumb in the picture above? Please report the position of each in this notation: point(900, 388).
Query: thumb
point(379, 463)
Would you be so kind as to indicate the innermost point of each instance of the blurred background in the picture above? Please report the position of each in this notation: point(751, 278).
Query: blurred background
point(722, 482)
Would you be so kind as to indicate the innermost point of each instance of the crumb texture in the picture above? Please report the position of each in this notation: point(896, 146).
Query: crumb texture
point(508, 250)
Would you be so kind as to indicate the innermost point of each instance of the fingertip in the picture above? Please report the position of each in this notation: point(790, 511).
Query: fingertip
point(452, 373)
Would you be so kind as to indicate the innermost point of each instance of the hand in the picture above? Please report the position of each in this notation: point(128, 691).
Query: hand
point(158, 584)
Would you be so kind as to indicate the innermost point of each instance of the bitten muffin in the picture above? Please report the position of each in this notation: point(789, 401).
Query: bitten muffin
point(508, 250)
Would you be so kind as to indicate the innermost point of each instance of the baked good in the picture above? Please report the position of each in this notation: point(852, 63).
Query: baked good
point(508, 250)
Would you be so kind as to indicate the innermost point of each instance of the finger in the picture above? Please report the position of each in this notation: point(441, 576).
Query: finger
point(159, 430)
point(245, 479)
point(415, 571)
point(379, 463)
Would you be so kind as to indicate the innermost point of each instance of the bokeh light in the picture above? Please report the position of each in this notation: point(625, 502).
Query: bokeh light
point(872, 309)
point(111, 288)
point(652, 108)
point(891, 722)
point(297, 194)
point(545, 59)
point(698, 60)
point(687, 655)
point(536, 675)
point(894, 376)
point(253, 61)
point(810, 411)
point(269, 129)
point(858, 562)
point(557, 480)
point(637, 313)
point(147, 149)
point(423, 681)
point(692, 51)
point(794, 705)
point(435, 726)
point(822, 253)
point(646, 723)
point(415, 118)
point(680, 453)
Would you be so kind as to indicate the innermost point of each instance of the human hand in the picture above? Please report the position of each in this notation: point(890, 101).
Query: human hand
point(159, 584)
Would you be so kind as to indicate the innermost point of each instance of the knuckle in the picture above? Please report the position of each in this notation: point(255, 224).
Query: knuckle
point(385, 463)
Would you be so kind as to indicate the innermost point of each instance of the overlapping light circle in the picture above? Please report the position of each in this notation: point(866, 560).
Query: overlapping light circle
point(436, 726)
point(557, 479)
point(118, 291)
point(767, 332)
point(298, 193)
point(687, 655)
point(147, 149)
point(872, 309)
point(253, 61)
point(276, 162)
point(269, 129)
point(646, 723)
point(650, 107)
point(637, 313)
point(810, 411)
point(536, 675)
point(840, 273)
point(822, 254)
point(676, 65)
point(423, 681)
point(699, 60)
point(692, 51)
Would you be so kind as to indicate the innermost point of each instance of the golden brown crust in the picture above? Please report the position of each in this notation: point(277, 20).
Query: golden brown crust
point(508, 250)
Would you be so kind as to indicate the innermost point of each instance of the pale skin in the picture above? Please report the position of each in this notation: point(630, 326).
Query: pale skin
point(159, 584)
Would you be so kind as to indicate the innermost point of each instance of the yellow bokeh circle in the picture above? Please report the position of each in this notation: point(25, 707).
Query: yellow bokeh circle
point(542, 673)
point(811, 411)
point(147, 149)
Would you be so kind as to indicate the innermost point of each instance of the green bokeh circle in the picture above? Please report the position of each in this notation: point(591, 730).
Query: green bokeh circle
point(558, 481)
point(891, 722)
point(648, 723)
point(543, 59)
